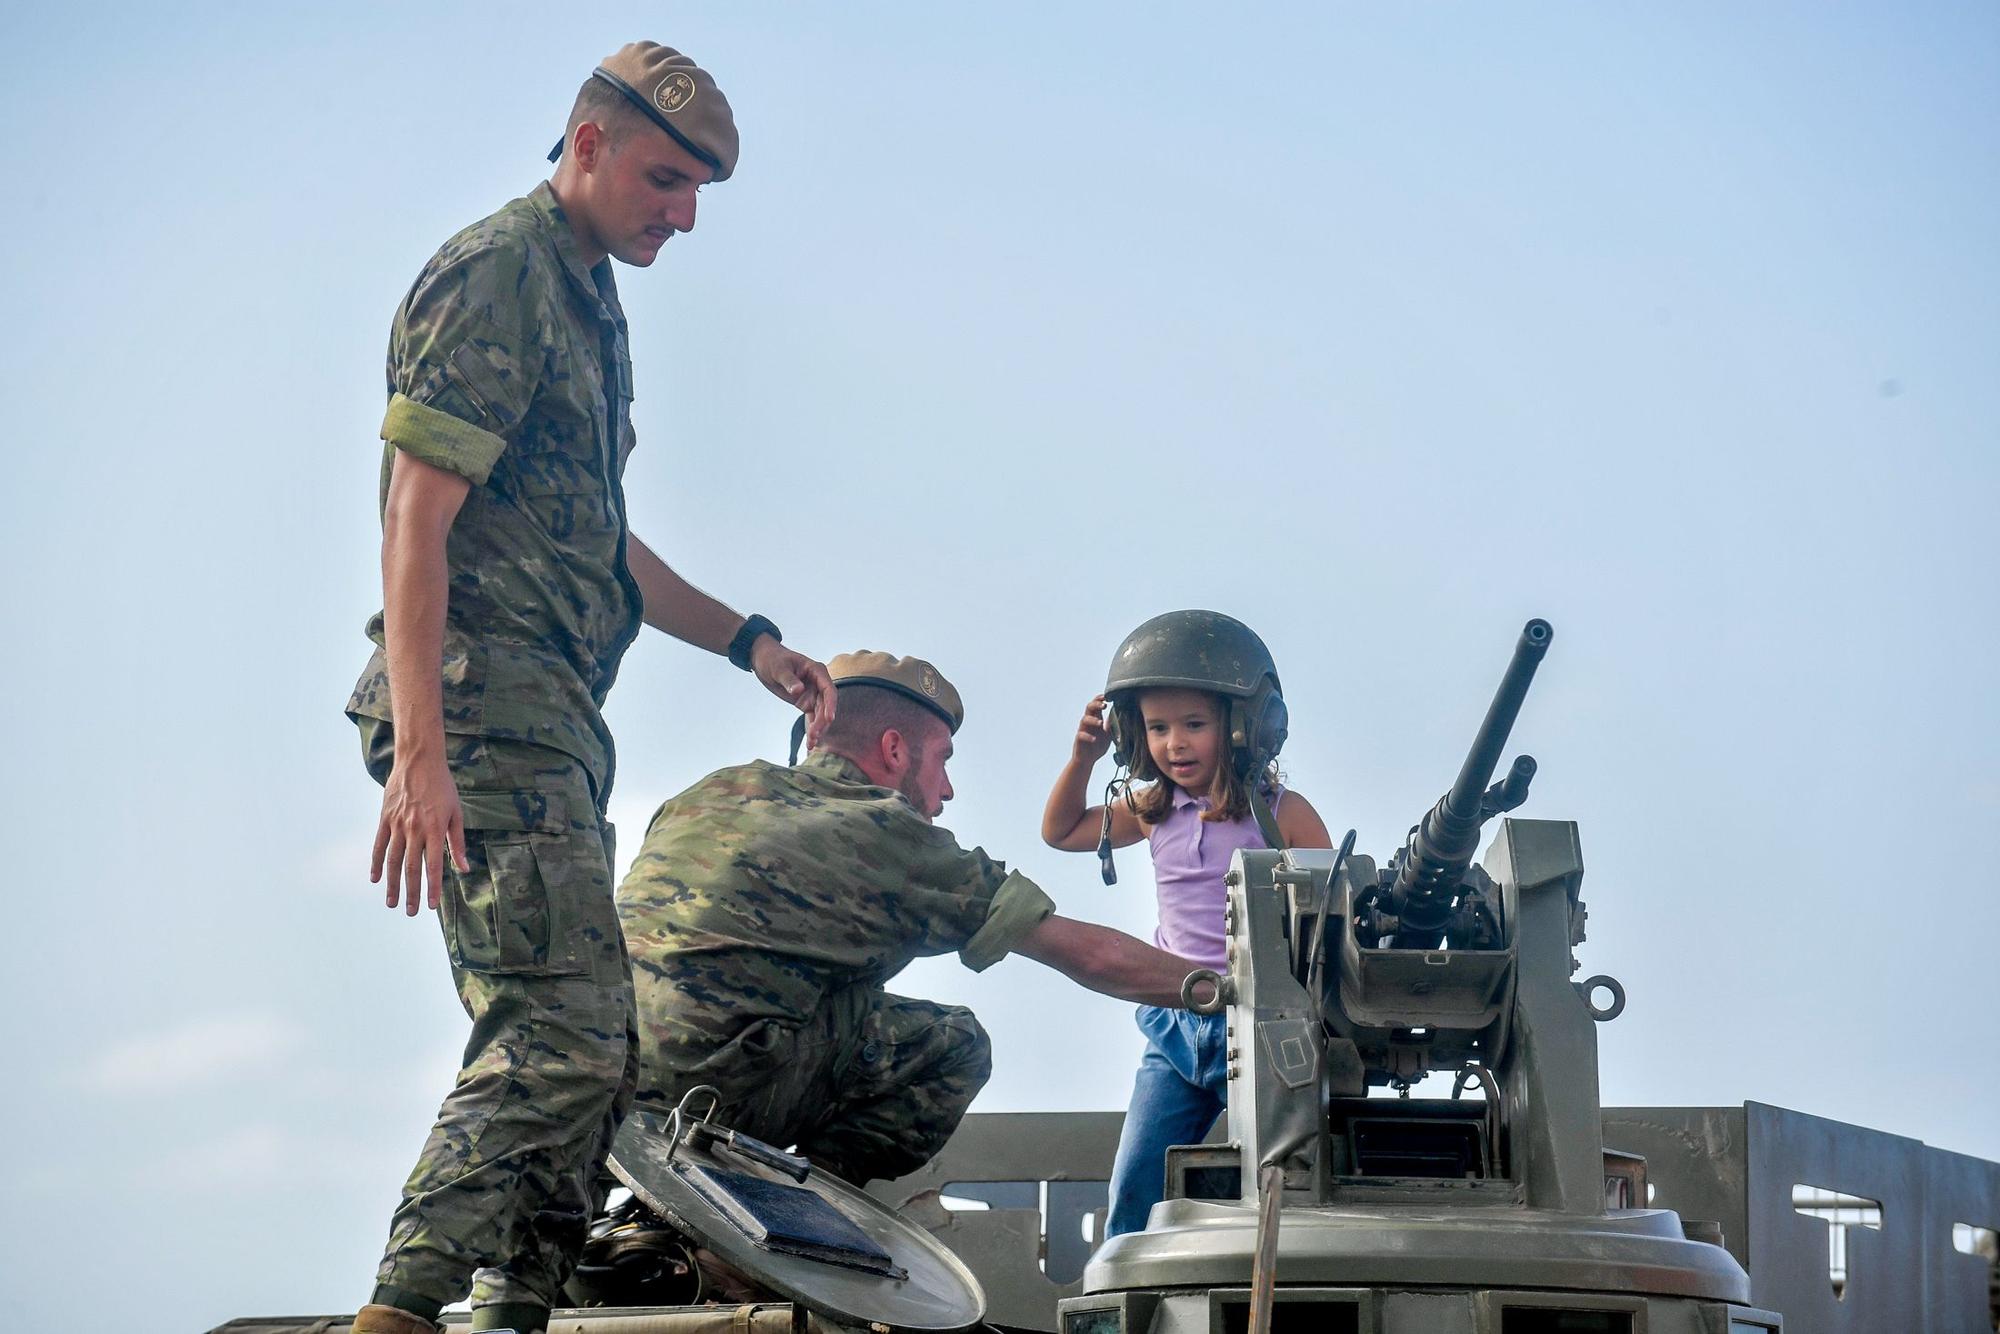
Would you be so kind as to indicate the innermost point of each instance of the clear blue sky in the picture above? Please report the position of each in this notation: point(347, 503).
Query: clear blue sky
point(1382, 328)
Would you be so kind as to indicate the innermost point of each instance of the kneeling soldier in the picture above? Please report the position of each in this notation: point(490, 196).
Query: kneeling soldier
point(770, 904)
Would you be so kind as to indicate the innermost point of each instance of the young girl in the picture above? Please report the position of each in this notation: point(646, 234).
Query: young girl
point(1196, 713)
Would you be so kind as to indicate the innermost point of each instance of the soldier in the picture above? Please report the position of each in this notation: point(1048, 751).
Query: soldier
point(507, 562)
point(769, 904)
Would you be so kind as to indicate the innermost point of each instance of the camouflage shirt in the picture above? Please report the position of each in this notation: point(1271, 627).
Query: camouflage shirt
point(762, 888)
point(508, 365)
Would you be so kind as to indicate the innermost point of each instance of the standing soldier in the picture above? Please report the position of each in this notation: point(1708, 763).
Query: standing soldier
point(511, 587)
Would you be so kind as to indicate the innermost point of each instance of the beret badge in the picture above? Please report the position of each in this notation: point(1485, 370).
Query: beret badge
point(674, 92)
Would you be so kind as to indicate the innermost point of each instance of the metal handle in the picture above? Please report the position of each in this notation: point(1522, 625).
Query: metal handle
point(1589, 985)
point(1224, 992)
point(756, 1150)
point(1317, 959)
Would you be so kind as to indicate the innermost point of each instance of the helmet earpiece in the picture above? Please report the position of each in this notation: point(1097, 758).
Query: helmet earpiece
point(1257, 729)
point(1128, 738)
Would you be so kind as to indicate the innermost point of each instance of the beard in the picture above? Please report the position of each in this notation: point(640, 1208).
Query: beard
point(909, 789)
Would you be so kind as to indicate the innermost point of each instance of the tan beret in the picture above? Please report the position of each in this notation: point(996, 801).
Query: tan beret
point(906, 676)
point(677, 95)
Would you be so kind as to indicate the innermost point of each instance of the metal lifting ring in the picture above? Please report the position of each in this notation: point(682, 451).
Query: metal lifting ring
point(1217, 1003)
point(1588, 988)
point(679, 1120)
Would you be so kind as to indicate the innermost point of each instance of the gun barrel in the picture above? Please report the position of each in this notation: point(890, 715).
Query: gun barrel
point(1491, 739)
point(1442, 846)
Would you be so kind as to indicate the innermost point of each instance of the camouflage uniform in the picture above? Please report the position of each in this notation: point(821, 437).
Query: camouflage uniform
point(763, 915)
point(508, 366)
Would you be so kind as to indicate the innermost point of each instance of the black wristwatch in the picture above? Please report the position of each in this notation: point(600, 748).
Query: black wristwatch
point(739, 647)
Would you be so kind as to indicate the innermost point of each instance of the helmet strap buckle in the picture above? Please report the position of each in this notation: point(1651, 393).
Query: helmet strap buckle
point(1105, 865)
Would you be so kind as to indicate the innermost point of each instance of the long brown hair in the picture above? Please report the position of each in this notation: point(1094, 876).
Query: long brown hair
point(1228, 793)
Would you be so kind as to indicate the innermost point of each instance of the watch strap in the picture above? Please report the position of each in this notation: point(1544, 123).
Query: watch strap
point(753, 626)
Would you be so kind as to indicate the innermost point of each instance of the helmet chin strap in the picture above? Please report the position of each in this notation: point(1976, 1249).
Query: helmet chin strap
point(1267, 824)
point(1111, 789)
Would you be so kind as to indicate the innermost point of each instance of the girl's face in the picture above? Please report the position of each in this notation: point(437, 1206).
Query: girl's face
point(1184, 735)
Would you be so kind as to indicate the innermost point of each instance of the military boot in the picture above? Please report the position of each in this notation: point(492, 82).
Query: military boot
point(510, 1318)
point(374, 1319)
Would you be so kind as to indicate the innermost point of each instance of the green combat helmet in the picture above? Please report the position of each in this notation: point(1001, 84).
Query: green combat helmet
point(1197, 650)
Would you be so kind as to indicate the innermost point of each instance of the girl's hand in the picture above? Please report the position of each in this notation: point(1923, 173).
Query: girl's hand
point(1069, 821)
point(1093, 737)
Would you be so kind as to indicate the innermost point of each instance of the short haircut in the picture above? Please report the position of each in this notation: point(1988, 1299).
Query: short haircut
point(604, 106)
point(865, 712)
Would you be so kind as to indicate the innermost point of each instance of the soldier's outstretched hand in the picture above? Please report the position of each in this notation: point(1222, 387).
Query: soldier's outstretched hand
point(422, 822)
point(796, 679)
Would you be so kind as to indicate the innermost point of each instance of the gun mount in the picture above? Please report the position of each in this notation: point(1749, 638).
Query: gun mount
point(1445, 1214)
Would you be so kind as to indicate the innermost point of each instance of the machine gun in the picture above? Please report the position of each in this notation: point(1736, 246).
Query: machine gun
point(1431, 897)
point(1425, 953)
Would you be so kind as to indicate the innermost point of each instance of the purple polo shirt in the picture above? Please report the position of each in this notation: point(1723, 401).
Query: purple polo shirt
point(1190, 857)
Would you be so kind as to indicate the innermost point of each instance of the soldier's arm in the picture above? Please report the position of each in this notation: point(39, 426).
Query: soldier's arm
point(671, 604)
point(1069, 821)
point(421, 819)
point(1108, 961)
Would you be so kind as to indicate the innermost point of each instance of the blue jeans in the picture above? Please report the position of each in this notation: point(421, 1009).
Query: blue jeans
point(1181, 1087)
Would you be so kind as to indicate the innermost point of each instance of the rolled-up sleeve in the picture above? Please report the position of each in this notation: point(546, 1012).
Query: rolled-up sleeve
point(442, 440)
point(1018, 907)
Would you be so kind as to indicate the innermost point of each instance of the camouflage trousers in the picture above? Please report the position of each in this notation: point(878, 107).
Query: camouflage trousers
point(505, 1185)
point(870, 1087)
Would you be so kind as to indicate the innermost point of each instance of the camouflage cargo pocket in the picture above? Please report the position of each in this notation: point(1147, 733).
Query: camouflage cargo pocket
point(511, 912)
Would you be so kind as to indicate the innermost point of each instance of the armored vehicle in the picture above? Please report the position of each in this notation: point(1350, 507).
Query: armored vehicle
point(1516, 1205)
